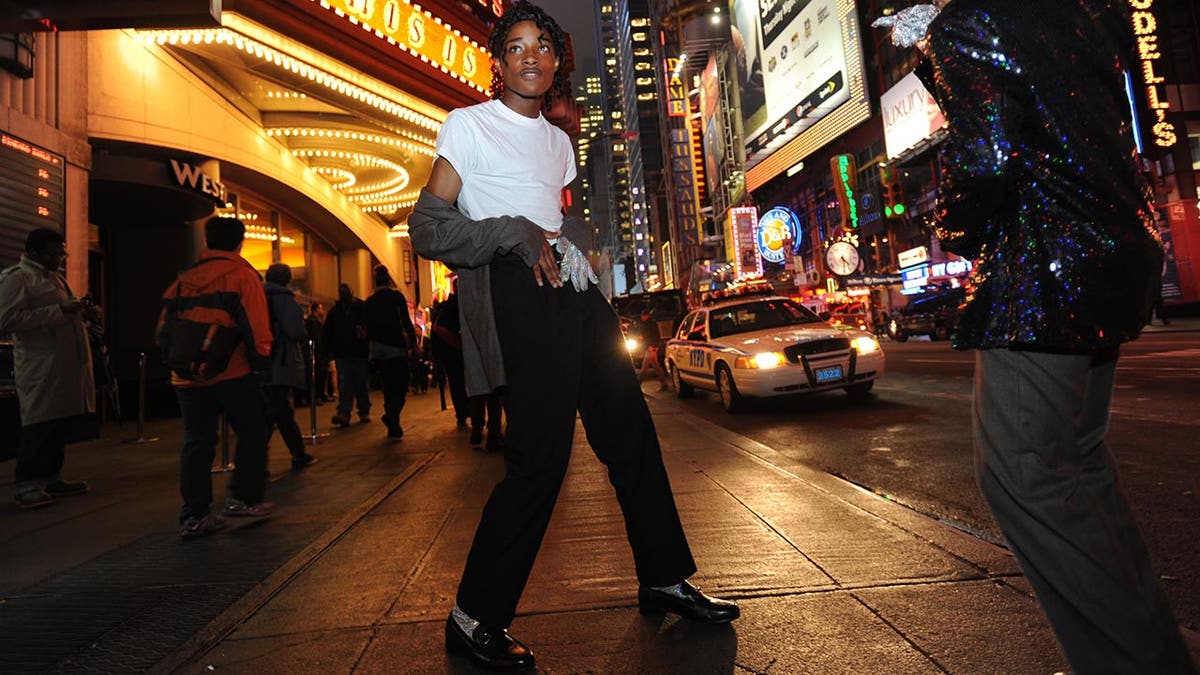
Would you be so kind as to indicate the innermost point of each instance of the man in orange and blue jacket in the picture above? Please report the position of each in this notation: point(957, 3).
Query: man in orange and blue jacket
point(223, 288)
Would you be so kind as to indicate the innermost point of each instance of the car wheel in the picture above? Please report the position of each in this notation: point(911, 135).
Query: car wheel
point(859, 390)
point(899, 335)
point(730, 398)
point(682, 389)
point(940, 332)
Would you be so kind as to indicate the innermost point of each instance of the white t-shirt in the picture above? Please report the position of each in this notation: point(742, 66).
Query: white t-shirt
point(510, 164)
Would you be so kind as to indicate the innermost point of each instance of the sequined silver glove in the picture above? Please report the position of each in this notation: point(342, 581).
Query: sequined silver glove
point(574, 265)
point(908, 25)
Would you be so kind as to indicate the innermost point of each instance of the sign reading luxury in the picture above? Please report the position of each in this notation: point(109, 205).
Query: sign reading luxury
point(799, 62)
point(422, 34)
point(1163, 133)
point(910, 116)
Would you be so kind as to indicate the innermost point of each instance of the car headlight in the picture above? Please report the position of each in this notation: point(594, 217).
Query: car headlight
point(631, 344)
point(865, 345)
point(761, 361)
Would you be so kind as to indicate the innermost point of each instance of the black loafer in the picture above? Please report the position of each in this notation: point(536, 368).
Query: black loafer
point(488, 647)
point(693, 605)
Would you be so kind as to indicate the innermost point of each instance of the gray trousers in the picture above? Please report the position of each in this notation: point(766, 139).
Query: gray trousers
point(1047, 474)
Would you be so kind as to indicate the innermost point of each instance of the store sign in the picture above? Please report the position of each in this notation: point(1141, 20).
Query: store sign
point(676, 92)
point(950, 268)
point(778, 234)
point(872, 280)
point(1162, 133)
point(742, 242)
point(194, 178)
point(800, 64)
point(914, 279)
point(417, 31)
point(32, 194)
point(913, 256)
point(845, 184)
point(910, 115)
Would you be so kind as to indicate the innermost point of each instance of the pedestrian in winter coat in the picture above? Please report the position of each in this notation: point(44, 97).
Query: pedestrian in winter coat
point(346, 337)
point(53, 365)
point(286, 373)
point(1041, 186)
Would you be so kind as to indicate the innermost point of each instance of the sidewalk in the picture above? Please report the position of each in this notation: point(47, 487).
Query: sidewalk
point(358, 569)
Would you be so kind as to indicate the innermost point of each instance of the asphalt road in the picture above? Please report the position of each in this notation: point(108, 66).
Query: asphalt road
point(911, 441)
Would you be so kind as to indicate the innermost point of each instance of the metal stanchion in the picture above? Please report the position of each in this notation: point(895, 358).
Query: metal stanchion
point(141, 420)
point(226, 463)
point(312, 395)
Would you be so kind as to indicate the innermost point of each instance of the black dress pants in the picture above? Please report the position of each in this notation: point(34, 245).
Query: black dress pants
point(281, 414)
point(563, 353)
point(394, 373)
point(42, 450)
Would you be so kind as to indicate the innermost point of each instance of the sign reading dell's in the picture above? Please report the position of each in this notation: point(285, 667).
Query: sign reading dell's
point(778, 234)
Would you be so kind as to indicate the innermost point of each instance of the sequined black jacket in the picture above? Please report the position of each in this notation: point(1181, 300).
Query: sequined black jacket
point(1040, 183)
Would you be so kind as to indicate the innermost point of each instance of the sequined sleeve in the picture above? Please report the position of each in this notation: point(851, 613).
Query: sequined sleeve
point(970, 67)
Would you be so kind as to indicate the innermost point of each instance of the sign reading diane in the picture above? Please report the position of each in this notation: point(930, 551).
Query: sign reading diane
point(415, 30)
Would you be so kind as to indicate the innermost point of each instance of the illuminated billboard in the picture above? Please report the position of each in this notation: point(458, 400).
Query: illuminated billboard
point(800, 79)
point(910, 116)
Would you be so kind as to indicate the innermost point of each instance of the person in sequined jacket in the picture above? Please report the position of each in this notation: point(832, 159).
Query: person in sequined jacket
point(1041, 187)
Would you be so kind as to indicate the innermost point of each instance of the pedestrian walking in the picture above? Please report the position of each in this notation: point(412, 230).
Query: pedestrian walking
point(487, 412)
point(1041, 187)
point(391, 342)
point(220, 301)
point(446, 344)
point(285, 376)
point(52, 362)
point(647, 329)
point(549, 335)
point(346, 337)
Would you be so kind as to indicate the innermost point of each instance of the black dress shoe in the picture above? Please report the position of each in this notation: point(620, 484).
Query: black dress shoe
point(692, 605)
point(488, 647)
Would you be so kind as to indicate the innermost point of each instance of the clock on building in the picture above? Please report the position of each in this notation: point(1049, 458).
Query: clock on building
point(841, 258)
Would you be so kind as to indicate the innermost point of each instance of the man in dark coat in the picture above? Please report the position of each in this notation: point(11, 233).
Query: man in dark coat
point(346, 338)
point(1041, 186)
point(391, 340)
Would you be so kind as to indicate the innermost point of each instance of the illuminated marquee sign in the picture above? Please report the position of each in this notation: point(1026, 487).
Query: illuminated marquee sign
point(676, 92)
point(845, 183)
point(32, 194)
point(743, 220)
point(778, 228)
point(1145, 27)
point(425, 36)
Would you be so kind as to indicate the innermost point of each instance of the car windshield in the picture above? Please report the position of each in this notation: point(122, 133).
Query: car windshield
point(760, 315)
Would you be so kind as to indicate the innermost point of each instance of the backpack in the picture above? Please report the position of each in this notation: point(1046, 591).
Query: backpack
point(194, 350)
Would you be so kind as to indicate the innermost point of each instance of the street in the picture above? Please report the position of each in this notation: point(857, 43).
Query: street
point(911, 442)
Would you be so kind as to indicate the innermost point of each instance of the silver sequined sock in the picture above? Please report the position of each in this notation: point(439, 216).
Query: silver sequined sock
point(675, 590)
point(466, 623)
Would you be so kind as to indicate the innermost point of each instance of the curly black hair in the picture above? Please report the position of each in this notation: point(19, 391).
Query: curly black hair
point(525, 11)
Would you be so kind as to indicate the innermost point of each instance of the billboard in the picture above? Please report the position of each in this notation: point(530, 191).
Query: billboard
point(800, 78)
point(910, 115)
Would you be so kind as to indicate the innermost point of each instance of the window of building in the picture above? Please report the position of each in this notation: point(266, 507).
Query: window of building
point(639, 36)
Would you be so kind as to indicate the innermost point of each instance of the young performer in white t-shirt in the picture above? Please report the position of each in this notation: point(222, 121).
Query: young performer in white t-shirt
point(531, 320)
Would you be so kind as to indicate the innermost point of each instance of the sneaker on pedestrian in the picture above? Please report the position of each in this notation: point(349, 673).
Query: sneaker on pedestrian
point(236, 508)
point(395, 432)
point(66, 488)
point(341, 420)
point(198, 527)
point(301, 461)
point(33, 499)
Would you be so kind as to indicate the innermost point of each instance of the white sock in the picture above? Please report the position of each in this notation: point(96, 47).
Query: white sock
point(466, 623)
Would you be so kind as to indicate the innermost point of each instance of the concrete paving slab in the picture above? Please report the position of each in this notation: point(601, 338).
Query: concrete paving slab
point(979, 627)
point(308, 653)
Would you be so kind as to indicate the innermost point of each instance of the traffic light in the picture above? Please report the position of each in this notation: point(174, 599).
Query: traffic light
point(891, 193)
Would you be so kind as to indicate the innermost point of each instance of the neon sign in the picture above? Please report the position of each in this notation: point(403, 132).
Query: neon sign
point(776, 229)
point(1145, 28)
point(845, 182)
point(423, 35)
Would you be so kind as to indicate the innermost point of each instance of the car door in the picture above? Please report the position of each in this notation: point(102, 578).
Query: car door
point(695, 361)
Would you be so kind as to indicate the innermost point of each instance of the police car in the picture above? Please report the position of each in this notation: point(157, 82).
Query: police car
point(757, 347)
